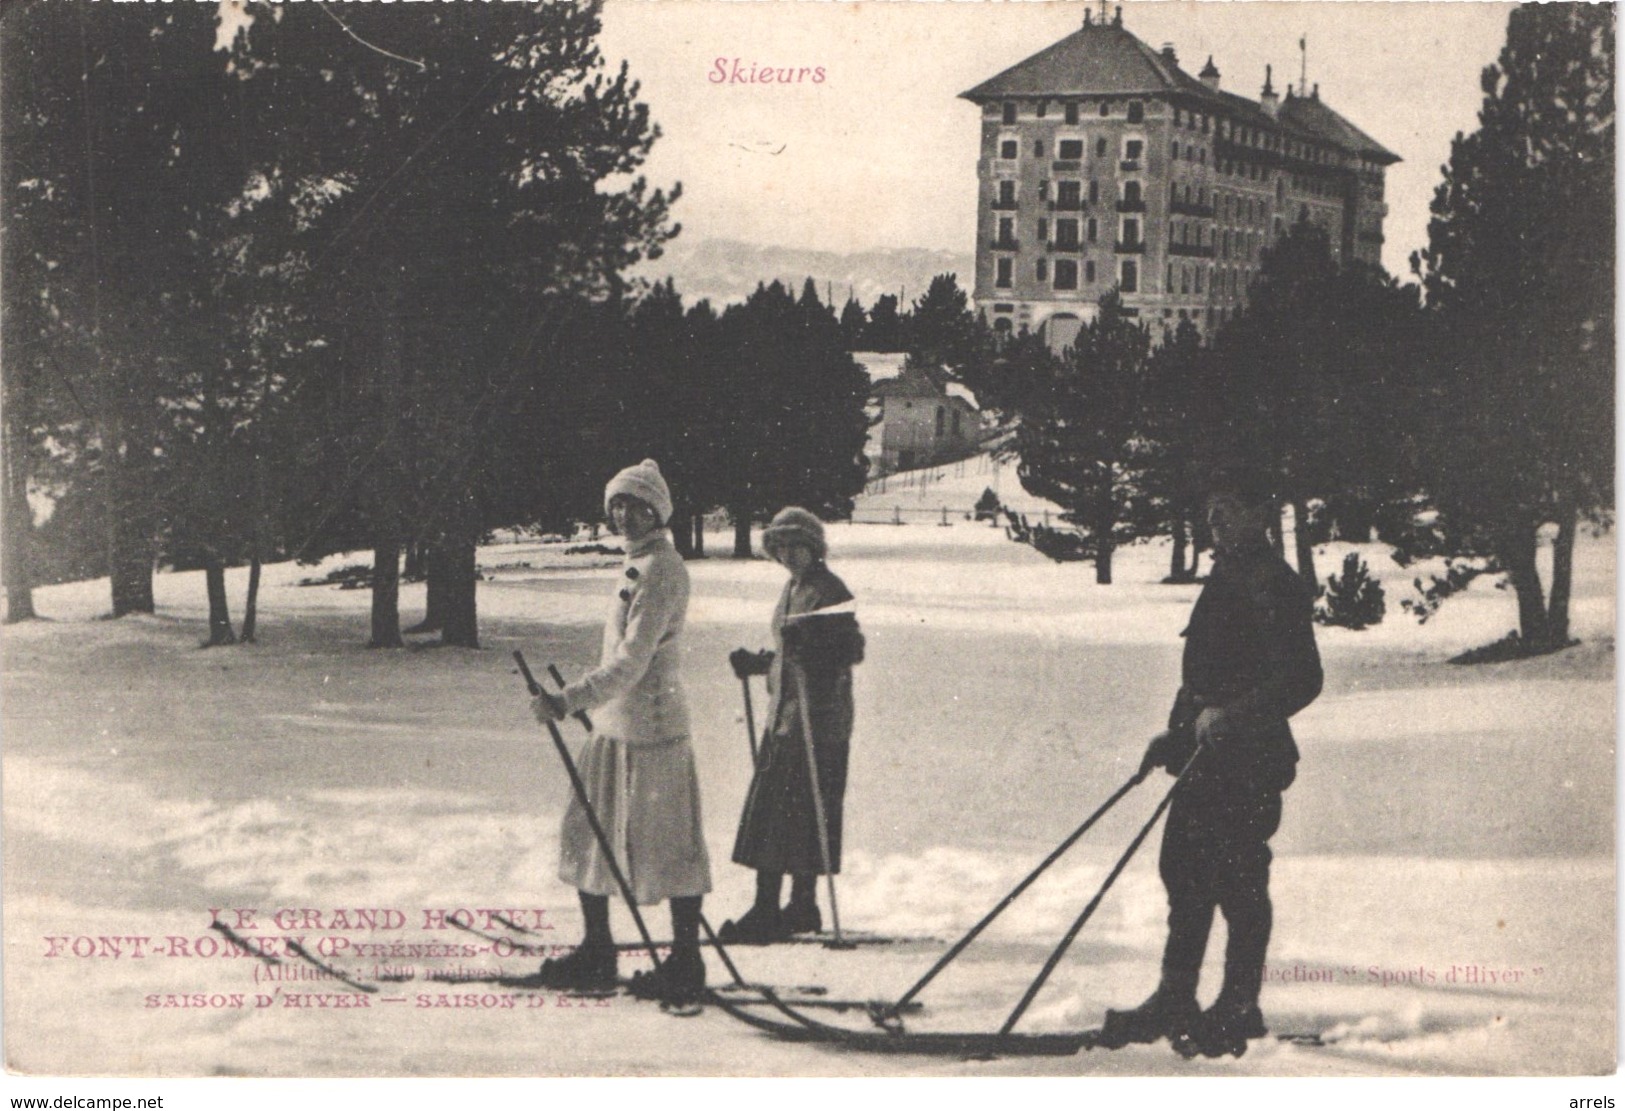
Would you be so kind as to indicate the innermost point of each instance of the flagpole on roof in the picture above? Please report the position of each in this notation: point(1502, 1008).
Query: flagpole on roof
point(1303, 69)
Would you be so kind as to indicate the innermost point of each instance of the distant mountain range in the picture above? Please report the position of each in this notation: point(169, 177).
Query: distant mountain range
point(727, 270)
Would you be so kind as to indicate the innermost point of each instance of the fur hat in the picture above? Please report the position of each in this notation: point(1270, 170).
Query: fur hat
point(645, 483)
point(793, 525)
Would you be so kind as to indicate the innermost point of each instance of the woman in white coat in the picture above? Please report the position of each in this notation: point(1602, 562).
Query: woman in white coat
point(638, 766)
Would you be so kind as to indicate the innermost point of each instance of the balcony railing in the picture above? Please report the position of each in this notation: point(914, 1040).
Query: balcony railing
point(1129, 165)
point(1130, 247)
point(1006, 206)
point(1190, 250)
point(1005, 245)
point(1131, 206)
point(1186, 208)
point(1074, 205)
point(1065, 245)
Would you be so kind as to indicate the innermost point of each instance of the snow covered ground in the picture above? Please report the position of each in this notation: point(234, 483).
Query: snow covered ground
point(1444, 880)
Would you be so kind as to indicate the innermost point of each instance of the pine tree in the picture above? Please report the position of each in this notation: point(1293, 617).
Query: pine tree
point(1519, 274)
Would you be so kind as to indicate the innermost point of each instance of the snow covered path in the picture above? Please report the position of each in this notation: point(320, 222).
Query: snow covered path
point(1444, 877)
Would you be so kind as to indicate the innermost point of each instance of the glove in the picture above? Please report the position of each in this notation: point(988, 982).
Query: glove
point(1158, 754)
point(747, 663)
point(547, 708)
point(1213, 727)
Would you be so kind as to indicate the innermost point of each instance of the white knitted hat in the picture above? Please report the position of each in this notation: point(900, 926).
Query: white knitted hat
point(645, 483)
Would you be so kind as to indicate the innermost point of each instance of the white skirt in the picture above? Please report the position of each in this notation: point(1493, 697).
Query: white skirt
point(647, 799)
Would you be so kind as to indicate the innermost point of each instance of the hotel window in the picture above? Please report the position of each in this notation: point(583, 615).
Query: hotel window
point(1072, 112)
point(1007, 192)
point(1168, 284)
point(1132, 149)
point(1130, 282)
point(1131, 232)
point(1003, 274)
point(1069, 194)
point(1070, 150)
point(1176, 117)
point(1043, 230)
point(1092, 229)
point(1094, 191)
point(1184, 279)
point(1066, 273)
point(1173, 151)
point(1089, 271)
point(1043, 108)
point(1136, 111)
point(1066, 234)
point(1007, 229)
point(1009, 148)
point(1105, 108)
point(1009, 111)
point(1038, 149)
point(1041, 270)
point(1131, 192)
point(1198, 279)
point(1043, 189)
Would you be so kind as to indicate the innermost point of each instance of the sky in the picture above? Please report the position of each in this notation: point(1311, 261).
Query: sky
point(882, 152)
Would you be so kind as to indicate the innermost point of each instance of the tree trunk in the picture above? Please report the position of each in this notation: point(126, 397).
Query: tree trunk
point(129, 540)
point(214, 579)
point(1105, 518)
point(416, 557)
point(17, 531)
point(432, 562)
point(386, 595)
point(1196, 561)
point(682, 533)
point(1518, 554)
point(460, 627)
point(1557, 611)
point(1305, 548)
point(251, 606)
point(1176, 562)
point(741, 533)
point(699, 535)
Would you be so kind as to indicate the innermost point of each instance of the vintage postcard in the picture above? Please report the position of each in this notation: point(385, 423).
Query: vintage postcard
point(1072, 539)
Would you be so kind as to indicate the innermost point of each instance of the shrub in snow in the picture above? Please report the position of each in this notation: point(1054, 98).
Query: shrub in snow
point(1061, 545)
point(987, 506)
point(1352, 600)
point(1456, 578)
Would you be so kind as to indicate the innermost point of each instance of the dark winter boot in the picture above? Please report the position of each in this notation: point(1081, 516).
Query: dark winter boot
point(801, 918)
point(588, 967)
point(1222, 1029)
point(757, 926)
point(1167, 1014)
point(678, 982)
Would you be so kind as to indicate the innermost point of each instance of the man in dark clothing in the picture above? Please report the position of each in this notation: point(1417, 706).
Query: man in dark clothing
point(1250, 663)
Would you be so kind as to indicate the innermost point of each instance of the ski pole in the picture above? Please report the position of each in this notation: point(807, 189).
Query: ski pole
point(592, 815)
point(894, 1010)
point(1071, 934)
point(750, 718)
point(818, 797)
point(579, 715)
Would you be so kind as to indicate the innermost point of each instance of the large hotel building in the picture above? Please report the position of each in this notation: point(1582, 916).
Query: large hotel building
point(1104, 163)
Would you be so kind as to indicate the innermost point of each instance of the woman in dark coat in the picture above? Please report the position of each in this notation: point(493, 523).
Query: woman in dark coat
point(818, 642)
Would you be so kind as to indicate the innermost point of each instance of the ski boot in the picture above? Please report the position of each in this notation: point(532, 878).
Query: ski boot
point(1222, 1029)
point(588, 967)
point(1164, 1015)
point(757, 926)
point(678, 984)
point(801, 918)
